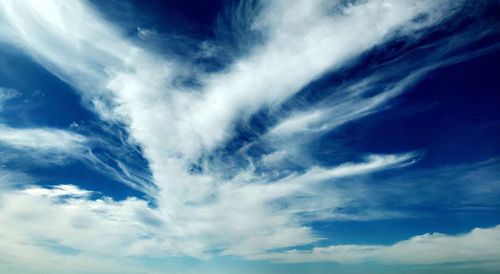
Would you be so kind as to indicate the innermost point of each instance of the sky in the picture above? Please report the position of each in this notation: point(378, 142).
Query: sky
point(247, 136)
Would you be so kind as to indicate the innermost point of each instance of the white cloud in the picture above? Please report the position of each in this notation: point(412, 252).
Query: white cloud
point(274, 158)
point(38, 140)
point(303, 42)
point(350, 104)
point(296, 52)
point(96, 222)
point(130, 227)
point(6, 94)
point(196, 213)
point(10, 178)
point(44, 223)
point(479, 245)
point(41, 139)
point(298, 122)
point(57, 191)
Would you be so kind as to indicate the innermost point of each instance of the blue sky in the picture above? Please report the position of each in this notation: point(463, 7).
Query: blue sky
point(249, 136)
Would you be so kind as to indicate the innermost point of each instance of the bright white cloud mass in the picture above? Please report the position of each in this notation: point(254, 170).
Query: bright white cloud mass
point(199, 201)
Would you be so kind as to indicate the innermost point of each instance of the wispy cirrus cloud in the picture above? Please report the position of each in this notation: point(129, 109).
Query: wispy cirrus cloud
point(197, 211)
point(42, 139)
point(7, 93)
point(38, 140)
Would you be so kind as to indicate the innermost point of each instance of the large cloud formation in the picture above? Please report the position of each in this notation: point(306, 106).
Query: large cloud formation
point(256, 207)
